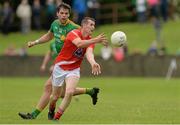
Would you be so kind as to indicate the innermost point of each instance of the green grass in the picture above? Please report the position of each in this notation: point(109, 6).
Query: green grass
point(121, 100)
point(139, 37)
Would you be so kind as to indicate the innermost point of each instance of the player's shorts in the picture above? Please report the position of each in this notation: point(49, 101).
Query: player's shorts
point(59, 75)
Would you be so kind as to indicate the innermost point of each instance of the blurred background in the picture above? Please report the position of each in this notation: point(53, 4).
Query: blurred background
point(151, 26)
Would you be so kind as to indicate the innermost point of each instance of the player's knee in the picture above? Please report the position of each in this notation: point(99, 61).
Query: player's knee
point(55, 97)
point(69, 92)
point(48, 88)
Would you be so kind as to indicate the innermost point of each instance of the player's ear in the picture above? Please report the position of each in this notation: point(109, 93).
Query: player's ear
point(68, 15)
point(57, 13)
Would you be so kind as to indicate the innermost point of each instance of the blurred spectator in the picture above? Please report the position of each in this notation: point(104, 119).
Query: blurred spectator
point(162, 51)
point(141, 10)
point(125, 48)
point(131, 8)
point(0, 12)
point(58, 2)
point(79, 9)
point(154, 6)
point(118, 54)
point(153, 50)
point(177, 9)
point(10, 51)
point(50, 12)
point(36, 13)
point(164, 9)
point(106, 52)
point(154, 9)
point(24, 13)
point(7, 17)
point(23, 51)
point(93, 9)
point(174, 9)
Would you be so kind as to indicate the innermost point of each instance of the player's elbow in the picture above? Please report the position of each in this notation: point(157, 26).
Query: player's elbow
point(80, 45)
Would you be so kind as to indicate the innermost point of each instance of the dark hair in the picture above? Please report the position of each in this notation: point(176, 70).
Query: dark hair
point(85, 20)
point(65, 6)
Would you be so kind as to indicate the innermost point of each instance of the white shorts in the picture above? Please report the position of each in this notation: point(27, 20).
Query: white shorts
point(59, 75)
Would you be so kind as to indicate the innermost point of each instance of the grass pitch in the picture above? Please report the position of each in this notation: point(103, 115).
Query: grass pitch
point(121, 100)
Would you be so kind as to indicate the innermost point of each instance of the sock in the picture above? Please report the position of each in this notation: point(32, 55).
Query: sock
point(58, 114)
point(52, 106)
point(35, 113)
point(89, 91)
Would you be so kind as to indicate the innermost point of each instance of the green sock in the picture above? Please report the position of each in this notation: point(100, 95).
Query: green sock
point(89, 91)
point(35, 113)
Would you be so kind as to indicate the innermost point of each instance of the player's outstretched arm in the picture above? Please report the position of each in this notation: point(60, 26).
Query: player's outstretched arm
point(85, 43)
point(45, 38)
point(96, 69)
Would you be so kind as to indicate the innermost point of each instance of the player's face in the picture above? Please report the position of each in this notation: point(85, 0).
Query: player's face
point(89, 27)
point(63, 15)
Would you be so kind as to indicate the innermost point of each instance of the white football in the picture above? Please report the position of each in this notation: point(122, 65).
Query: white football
point(118, 38)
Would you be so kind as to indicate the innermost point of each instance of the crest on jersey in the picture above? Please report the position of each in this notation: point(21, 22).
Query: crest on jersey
point(79, 53)
point(62, 38)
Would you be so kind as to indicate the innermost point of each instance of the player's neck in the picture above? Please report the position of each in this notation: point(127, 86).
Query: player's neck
point(64, 22)
point(84, 33)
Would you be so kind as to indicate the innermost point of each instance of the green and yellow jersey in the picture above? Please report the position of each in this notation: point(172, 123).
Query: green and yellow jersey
point(53, 50)
point(60, 31)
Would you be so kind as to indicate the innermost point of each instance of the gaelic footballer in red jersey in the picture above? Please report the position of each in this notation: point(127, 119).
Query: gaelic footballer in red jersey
point(67, 65)
point(71, 56)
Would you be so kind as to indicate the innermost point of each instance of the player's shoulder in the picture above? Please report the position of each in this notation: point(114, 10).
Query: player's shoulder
point(75, 32)
point(56, 21)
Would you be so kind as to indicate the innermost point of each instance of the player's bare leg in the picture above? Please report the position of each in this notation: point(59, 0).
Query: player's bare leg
point(57, 90)
point(93, 92)
point(71, 83)
point(43, 102)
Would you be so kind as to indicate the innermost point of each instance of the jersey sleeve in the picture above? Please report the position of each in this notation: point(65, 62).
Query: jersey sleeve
point(91, 46)
point(72, 36)
point(51, 27)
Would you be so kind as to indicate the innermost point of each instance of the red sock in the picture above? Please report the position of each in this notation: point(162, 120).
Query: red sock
point(58, 114)
point(52, 106)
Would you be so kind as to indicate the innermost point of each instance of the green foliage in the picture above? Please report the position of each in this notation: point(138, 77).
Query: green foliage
point(139, 37)
point(121, 101)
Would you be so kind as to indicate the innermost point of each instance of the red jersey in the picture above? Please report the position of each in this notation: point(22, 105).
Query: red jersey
point(70, 57)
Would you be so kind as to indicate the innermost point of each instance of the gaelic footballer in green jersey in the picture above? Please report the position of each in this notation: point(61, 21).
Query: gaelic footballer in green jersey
point(53, 50)
point(60, 31)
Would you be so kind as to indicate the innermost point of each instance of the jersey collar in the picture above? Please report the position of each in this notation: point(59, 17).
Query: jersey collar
point(67, 21)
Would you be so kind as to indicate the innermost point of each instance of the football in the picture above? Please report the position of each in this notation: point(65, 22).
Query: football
point(118, 38)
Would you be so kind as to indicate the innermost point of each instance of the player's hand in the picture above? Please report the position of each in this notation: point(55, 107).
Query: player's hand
point(102, 39)
point(96, 69)
point(42, 68)
point(31, 43)
point(51, 68)
point(104, 42)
